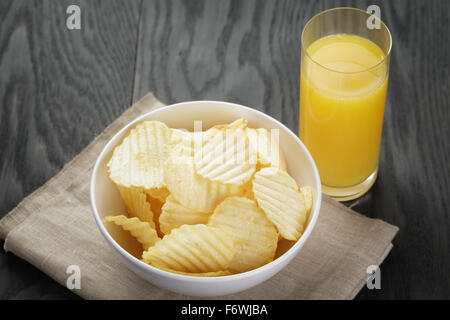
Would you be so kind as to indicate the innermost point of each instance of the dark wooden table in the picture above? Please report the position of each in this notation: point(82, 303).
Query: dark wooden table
point(59, 88)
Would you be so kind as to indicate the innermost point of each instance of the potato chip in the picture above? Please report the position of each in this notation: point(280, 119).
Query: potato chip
point(209, 203)
point(142, 231)
point(268, 150)
point(240, 123)
point(138, 160)
point(136, 202)
point(158, 193)
point(236, 124)
point(254, 235)
point(248, 187)
point(307, 196)
point(192, 190)
point(204, 274)
point(277, 194)
point(193, 248)
point(225, 156)
point(156, 206)
point(189, 140)
point(185, 141)
point(177, 135)
point(174, 215)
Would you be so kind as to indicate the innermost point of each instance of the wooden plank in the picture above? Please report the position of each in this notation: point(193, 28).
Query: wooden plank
point(240, 51)
point(59, 88)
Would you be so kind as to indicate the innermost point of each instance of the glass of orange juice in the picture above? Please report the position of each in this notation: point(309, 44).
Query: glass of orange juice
point(343, 83)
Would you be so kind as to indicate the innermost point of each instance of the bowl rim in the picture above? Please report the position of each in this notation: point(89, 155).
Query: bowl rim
point(288, 255)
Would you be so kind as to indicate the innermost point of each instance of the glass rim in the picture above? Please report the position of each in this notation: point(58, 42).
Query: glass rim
point(386, 56)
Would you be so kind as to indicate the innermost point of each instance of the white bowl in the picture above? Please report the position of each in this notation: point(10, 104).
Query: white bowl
point(105, 199)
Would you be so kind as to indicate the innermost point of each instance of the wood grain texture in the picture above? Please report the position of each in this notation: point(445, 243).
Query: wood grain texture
point(239, 51)
point(413, 187)
point(58, 90)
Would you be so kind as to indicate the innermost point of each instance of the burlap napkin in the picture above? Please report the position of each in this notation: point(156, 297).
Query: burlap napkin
point(54, 228)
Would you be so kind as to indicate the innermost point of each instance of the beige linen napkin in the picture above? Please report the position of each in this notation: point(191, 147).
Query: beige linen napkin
point(54, 228)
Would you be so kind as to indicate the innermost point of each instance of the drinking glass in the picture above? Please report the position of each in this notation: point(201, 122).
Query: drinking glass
point(343, 83)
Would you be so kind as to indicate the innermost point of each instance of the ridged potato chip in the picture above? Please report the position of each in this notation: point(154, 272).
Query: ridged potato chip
point(236, 124)
point(193, 248)
point(142, 231)
point(136, 202)
point(192, 190)
point(189, 140)
point(156, 206)
point(184, 140)
point(174, 215)
point(138, 160)
point(308, 197)
point(225, 156)
point(209, 203)
point(255, 236)
point(158, 193)
point(268, 150)
point(278, 195)
point(240, 123)
point(204, 274)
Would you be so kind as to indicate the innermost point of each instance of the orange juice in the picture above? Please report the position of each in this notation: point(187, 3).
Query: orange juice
point(342, 96)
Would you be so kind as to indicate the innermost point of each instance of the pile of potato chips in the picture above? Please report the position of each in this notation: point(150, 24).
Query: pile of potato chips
point(208, 203)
